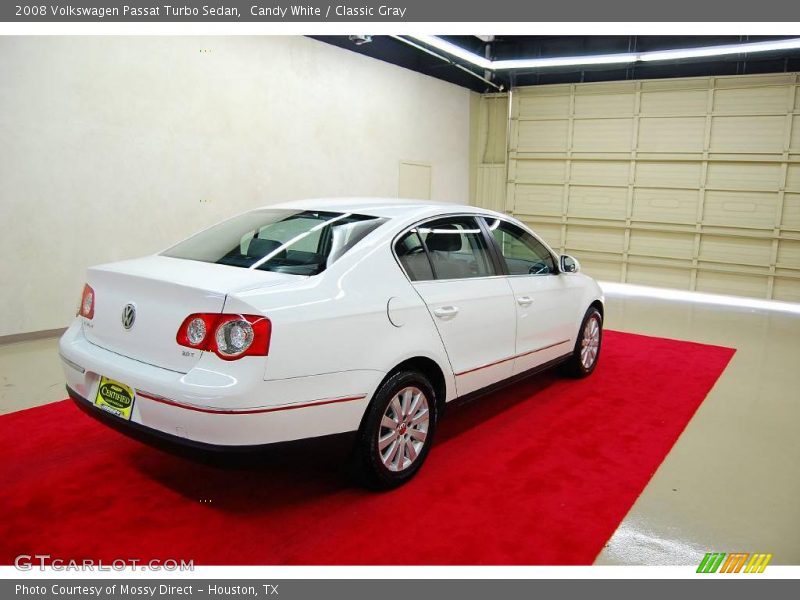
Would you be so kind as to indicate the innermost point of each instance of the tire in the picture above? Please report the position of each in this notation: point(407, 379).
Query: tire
point(397, 431)
point(583, 361)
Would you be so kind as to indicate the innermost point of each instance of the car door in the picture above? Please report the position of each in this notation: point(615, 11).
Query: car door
point(545, 304)
point(451, 266)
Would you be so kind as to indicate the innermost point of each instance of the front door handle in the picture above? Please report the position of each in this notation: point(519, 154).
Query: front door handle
point(524, 300)
point(446, 312)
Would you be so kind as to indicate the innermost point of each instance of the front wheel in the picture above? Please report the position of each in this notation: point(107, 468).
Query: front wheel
point(397, 431)
point(587, 347)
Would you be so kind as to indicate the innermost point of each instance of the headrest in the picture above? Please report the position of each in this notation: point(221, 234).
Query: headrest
point(440, 239)
point(259, 248)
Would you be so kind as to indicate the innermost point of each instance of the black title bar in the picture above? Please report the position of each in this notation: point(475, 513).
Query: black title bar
point(475, 11)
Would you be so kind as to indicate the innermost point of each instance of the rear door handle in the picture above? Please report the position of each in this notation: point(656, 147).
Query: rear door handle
point(446, 312)
point(524, 300)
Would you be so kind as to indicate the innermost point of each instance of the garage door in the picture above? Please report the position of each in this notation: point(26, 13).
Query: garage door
point(684, 183)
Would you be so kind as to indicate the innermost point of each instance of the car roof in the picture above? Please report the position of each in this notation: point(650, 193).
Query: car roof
point(381, 207)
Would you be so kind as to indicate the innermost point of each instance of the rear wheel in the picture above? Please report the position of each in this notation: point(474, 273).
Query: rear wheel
point(587, 347)
point(397, 431)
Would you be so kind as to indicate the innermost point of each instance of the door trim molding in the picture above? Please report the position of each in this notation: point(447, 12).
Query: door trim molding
point(504, 360)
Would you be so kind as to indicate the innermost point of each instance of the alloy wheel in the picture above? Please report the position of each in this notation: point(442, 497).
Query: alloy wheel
point(403, 429)
point(590, 343)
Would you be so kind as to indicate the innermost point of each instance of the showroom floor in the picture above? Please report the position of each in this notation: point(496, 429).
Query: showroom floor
point(729, 484)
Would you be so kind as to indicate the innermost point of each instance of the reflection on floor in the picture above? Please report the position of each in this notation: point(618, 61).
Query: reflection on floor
point(729, 484)
point(731, 481)
point(30, 375)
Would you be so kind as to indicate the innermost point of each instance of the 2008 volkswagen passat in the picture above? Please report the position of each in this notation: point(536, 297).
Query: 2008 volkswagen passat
point(321, 317)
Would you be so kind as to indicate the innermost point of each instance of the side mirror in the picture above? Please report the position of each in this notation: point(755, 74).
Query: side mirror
point(569, 264)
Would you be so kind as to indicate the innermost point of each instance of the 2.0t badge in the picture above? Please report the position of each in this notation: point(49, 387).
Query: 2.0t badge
point(128, 316)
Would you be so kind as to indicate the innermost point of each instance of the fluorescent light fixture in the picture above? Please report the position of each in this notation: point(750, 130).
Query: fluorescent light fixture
point(563, 61)
point(605, 59)
point(452, 49)
point(791, 44)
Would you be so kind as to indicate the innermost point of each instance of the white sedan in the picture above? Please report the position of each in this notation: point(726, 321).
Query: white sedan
point(315, 318)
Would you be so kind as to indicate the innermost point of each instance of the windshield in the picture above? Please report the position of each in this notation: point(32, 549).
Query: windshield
point(286, 241)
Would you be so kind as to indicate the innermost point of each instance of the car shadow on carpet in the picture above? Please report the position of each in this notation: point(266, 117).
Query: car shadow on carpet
point(285, 474)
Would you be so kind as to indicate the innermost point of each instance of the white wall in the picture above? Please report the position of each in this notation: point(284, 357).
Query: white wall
point(115, 147)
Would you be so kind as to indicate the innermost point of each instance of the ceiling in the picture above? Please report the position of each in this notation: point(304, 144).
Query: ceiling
point(392, 50)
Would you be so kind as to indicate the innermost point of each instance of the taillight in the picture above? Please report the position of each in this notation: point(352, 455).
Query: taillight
point(195, 330)
point(228, 336)
point(87, 302)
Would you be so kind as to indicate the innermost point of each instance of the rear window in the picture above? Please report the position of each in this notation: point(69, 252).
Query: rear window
point(286, 241)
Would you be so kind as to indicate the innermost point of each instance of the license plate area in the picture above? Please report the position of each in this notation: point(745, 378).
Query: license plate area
point(115, 398)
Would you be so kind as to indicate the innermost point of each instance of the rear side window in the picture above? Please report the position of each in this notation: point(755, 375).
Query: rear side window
point(286, 241)
point(413, 257)
point(447, 248)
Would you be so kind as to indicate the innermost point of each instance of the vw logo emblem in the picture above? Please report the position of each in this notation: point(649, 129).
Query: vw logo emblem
point(128, 316)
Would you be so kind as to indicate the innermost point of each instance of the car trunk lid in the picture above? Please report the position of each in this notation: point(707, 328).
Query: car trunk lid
point(140, 303)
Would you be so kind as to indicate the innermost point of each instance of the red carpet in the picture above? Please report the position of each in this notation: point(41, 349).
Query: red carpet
point(539, 473)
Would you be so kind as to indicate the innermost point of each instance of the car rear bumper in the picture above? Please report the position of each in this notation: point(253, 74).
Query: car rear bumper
point(166, 441)
point(235, 413)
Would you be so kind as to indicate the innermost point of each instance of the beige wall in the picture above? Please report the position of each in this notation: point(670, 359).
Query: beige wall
point(684, 183)
point(114, 147)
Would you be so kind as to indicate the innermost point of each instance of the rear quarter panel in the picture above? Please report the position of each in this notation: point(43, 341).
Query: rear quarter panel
point(337, 321)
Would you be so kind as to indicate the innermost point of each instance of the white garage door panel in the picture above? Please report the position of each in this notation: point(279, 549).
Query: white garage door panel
point(595, 239)
point(748, 134)
point(754, 100)
point(687, 183)
point(791, 212)
point(541, 171)
point(671, 102)
point(543, 136)
point(668, 174)
point(738, 250)
point(787, 289)
point(602, 270)
point(788, 253)
point(744, 176)
point(793, 178)
point(607, 172)
point(665, 205)
point(597, 202)
point(549, 232)
point(540, 200)
point(658, 276)
point(726, 283)
point(671, 134)
point(602, 135)
point(795, 143)
point(544, 106)
point(604, 105)
point(661, 243)
point(740, 209)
